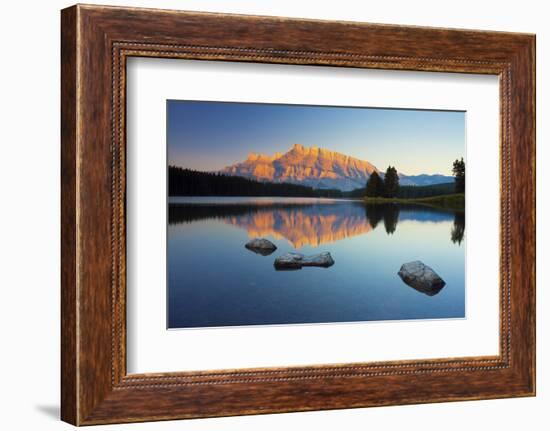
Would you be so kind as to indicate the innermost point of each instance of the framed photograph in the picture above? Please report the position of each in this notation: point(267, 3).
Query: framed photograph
point(265, 215)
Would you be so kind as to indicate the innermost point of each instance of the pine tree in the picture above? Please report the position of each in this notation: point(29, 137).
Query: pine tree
point(391, 182)
point(459, 172)
point(375, 186)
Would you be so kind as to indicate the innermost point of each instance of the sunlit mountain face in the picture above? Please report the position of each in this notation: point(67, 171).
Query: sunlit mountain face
point(313, 166)
point(318, 168)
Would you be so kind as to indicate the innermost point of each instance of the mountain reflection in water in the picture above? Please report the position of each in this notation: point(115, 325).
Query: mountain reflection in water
point(316, 223)
point(214, 281)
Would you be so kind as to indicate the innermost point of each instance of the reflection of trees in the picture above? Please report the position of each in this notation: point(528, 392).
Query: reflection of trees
point(457, 232)
point(188, 213)
point(391, 217)
point(374, 214)
point(388, 212)
point(314, 224)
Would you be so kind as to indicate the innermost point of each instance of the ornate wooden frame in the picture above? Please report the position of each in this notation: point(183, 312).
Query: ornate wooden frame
point(95, 43)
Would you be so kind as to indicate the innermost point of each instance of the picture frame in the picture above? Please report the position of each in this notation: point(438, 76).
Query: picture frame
point(96, 42)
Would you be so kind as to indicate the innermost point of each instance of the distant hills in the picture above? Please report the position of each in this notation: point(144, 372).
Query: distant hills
point(424, 179)
point(318, 168)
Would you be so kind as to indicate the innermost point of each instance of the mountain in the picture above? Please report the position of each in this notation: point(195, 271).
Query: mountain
point(318, 168)
point(424, 179)
point(314, 167)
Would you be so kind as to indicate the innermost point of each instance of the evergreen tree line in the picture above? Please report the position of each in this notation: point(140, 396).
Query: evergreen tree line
point(413, 192)
point(186, 182)
point(459, 172)
point(387, 187)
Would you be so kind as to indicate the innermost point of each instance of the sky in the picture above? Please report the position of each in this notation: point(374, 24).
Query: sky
point(208, 136)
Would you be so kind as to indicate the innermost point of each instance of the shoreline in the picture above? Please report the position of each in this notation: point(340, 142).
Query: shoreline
point(455, 201)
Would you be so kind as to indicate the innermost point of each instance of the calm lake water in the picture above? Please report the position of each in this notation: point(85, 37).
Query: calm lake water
point(213, 280)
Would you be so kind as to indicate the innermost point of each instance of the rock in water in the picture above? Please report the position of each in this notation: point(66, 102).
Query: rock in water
point(421, 277)
point(294, 260)
point(261, 246)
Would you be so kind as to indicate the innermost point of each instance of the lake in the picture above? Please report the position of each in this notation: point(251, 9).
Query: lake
point(213, 280)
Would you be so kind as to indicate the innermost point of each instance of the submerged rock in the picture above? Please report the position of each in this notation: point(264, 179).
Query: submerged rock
point(421, 277)
point(294, 260)
point(261, 246)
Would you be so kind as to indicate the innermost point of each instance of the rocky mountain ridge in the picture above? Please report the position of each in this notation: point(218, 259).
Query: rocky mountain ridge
point(318, 168)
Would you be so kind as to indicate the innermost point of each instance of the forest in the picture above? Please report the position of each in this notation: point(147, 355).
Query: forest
point(186, 182)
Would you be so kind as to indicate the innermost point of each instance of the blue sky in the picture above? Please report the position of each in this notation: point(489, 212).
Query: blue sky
point(208, 136)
